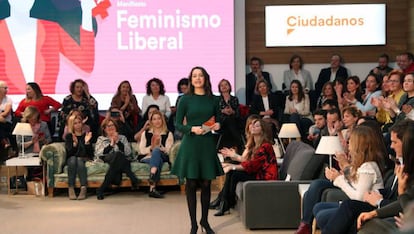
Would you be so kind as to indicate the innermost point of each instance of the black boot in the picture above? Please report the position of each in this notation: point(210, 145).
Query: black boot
point(216, 203)
point(204, 225)
point(224, 208)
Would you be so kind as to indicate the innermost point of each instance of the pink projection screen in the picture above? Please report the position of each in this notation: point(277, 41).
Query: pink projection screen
point(135, 40)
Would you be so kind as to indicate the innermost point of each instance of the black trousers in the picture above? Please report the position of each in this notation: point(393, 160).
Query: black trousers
point(229, 188)
point(118, 165)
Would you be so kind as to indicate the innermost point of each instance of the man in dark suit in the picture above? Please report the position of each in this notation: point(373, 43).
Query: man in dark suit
point(256, 74)
point(335, 71)
point(343, 220)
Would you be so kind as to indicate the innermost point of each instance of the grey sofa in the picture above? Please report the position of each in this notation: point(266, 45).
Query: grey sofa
point(277, 204)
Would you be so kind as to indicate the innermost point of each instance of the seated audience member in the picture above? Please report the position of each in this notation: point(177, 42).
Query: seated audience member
point(382, 69)
point(333, 123)
point(350, 115)
point(361, 171)
point(123, 127)
point(252, 78)
point(182, 88)
point(258, 162)
point(45, 104)
point(339, 92)
point(328, 93)
point(383, 115)
point(115, 150)
point(373, 221)
point(78, 150)
point(231, 135)
point(343, 219)
point(41, 135)
point(33, 144)
point(126, 102)
point(296, 72)
point(145, 123)
point(76, 112)
point(156, 95)
point(154, 146)
point(314, 136)
point(266, 105)
point(352, 92)
point(385, 86)
point(297, 108)
point(407, 62)
point(335, 71)
point(372, 90)
point(5, 117)
point(399, 111)
point(81, 100)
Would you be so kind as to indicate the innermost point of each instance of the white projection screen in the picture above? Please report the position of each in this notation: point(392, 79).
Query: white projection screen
point(134, 40)
point(325, 25)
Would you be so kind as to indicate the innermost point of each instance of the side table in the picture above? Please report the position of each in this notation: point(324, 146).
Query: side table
point(27, 161)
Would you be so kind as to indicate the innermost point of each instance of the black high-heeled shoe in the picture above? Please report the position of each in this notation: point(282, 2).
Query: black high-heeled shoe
point(194, 229)
point(205, 227)
point(214, 204)
point(224, 208)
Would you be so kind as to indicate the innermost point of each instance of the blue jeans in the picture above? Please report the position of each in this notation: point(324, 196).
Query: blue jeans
point(313, 196)
point(76, 166)
point(323, 211)
point(157, 160)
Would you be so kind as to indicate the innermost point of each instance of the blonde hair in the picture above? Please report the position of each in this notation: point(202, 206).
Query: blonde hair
point(71, 123)
point(29, 113)
point(164, 123)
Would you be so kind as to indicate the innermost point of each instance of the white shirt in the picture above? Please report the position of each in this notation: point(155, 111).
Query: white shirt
point(163, 102)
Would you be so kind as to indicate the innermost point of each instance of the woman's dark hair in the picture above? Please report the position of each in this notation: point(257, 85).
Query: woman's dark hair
point(301, 94)
point(207, 83)
point(182, 81)
point(295, 56)
point(378, 80)
point(73, 84)
point(408, 152)
point(159, 82)
point(36, 89)
point(145, 116)
point(224, 80)
point(356, 80)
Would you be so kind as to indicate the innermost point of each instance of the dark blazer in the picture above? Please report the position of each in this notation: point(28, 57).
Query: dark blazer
point(325, 75)
point(257, 105)
point(251, 85)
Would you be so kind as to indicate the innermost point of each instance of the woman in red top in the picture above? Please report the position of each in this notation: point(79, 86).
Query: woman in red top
point(45, 104)
point(258, 162)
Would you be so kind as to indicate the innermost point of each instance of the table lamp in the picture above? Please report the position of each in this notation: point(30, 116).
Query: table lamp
point(22, 129)
point(288, 130)
point(329, 145)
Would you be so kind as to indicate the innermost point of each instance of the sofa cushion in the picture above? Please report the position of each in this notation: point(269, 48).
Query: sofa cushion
point(300, 162)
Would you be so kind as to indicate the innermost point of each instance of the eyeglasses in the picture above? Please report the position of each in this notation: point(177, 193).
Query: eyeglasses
point(110, 125)
point(5, 87)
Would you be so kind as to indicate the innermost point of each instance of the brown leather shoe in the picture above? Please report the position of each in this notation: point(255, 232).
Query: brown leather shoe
point(304, 228)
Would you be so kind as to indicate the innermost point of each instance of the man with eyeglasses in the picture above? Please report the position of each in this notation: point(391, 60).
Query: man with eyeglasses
point(5, 120)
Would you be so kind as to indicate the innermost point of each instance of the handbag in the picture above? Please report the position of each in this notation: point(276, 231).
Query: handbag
point(18, 182)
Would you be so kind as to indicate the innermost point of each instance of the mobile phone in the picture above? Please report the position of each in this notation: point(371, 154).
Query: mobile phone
point(115, 114)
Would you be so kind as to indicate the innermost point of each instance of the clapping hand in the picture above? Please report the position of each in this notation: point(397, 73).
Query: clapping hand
point(228, 152)
point(88, 137)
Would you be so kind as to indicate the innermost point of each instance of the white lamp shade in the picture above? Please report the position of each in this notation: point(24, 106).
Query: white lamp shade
point(289, 130)
point(23, 129)
point(329, 145)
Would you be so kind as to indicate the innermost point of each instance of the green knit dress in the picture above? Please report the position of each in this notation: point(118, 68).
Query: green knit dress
point(197, 156)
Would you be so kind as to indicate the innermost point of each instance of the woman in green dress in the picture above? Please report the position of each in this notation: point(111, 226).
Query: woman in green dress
point(197, 159)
